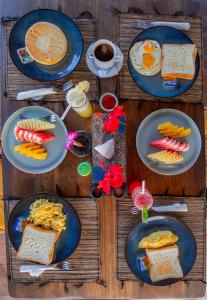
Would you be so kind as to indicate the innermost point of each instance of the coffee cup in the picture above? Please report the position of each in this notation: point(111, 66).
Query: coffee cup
point(104, 54)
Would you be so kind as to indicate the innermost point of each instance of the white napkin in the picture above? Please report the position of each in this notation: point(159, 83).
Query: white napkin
point(35, 93)
point(36, 270)
point(106, 149)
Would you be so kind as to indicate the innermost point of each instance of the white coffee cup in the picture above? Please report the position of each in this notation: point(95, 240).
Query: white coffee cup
point(109, 63)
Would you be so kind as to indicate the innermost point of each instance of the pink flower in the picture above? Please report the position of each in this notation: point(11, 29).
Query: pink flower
point(70, 138)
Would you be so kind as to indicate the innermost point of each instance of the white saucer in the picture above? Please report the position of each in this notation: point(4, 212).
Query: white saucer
point(102, 73)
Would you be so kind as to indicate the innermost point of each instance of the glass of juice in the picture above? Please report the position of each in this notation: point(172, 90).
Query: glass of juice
point(142, 200)
point(79, 103)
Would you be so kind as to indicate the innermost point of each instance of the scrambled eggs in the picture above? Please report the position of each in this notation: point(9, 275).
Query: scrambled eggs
point(47, 214)
point(158, 239)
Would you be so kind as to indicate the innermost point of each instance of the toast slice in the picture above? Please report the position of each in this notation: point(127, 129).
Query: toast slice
point(37, 244)
point(164, 263)
point(178, 61)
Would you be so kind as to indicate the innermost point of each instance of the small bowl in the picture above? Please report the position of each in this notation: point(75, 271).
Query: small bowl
point(79, 152)
point(95, 193)
point(120, 192)
point(101, 99)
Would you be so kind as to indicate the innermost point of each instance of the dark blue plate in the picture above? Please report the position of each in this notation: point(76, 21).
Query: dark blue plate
point(38, 71)
point(69, 238)
point(186, 243)
point(154, 84)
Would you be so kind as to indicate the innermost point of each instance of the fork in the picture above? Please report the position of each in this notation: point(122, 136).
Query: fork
point(39, 93)
point(147, 24)
point(65, 265)
point(52, 118)
point(37, 269)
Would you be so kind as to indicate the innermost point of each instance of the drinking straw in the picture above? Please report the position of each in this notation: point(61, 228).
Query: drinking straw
point(143, 186)
point(144, 208)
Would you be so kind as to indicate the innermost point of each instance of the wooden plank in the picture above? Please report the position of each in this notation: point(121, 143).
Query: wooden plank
point(105, 11)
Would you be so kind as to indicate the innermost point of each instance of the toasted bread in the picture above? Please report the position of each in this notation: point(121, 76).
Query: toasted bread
point(37, 244)
point(178, 61)
point(164, 263)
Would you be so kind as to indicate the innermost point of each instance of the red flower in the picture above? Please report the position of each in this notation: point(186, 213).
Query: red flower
point(111, 124)
point(113, 178)
point(118, 112)
point(105, 184)
point(116, 170)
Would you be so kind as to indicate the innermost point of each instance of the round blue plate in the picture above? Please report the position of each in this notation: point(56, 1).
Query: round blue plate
point(186, 243)
point(68, 239)
point(147, 132)
point(154, 84)
point(55, 148)
point(38, 71)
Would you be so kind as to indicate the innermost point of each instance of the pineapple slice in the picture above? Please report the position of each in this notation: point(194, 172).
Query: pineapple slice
point(174, 131)
point(35, 125)
point(166, 157)
point(32, 150)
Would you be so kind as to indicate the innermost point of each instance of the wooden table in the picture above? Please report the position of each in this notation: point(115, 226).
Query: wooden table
point(64, 178)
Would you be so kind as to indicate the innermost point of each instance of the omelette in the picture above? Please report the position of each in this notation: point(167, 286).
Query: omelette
point(146, 57)
point(158, 239)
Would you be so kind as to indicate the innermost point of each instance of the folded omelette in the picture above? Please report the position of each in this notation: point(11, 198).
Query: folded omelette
point(158, 239)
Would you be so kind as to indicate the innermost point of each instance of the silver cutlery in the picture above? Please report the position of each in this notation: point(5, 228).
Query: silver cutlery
point(65, 265)
point(52, 118)
point(177, 25)
point(39, 93)
point(37, 269)
point(176, 207)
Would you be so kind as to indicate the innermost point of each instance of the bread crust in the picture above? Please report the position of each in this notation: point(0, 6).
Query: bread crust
point(40, 229)
point(178, 75)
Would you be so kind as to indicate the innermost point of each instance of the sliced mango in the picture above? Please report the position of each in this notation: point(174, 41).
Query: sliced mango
point(174, 131)
point(32, 150)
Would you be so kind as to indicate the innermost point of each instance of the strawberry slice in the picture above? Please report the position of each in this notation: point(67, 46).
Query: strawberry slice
point(170, 144)
point(28, 136)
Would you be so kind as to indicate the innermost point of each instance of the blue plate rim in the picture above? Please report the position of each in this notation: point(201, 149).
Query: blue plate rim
point(174, 279)
point(48, 195)
point(129, 61)
point(19, 21)
point(200, 143)
point(22, 169)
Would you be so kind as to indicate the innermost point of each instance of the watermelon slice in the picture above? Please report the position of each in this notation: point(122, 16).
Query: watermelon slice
point(23, 135)
point(170, 144)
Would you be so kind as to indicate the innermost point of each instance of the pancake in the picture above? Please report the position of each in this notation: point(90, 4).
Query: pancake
point(46, 43)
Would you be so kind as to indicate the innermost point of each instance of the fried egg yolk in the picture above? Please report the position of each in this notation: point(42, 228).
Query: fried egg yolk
point(148, 60)
point(148, 47)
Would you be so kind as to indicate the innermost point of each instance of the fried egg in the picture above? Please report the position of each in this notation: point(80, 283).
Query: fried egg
point(146, 57)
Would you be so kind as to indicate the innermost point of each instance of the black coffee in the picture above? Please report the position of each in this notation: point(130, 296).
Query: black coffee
point(104, 52)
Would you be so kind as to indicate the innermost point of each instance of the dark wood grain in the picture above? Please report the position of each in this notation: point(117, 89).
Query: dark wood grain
point(18, 184)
